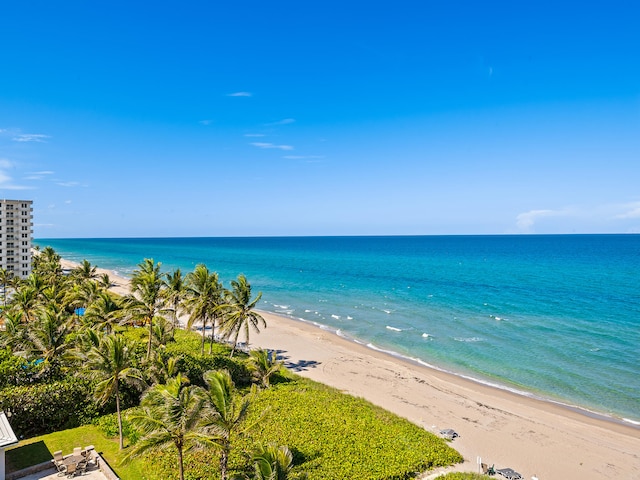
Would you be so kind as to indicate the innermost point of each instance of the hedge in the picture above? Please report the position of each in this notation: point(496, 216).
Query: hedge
point(47, 407)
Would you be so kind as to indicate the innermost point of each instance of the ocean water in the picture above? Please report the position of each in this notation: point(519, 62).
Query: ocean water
point(556, 316)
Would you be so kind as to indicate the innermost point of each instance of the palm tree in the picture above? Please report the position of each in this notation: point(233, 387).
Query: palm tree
point(104, 281)
point(272, 462)
point(7, 280)
point(171, 415)
point(47, 337)
point(37, 282)
point(240, 313)
point(84, 294)
point(263, 366)
point(162, 332)
point(160, 371)
point(25, 301)
point(175, 291)
point(47, 264)
point(85, 271)
point(225, 414)
point(111, 363)
point(146, 301)
point(87, 339)
point(15, 335)
point(203, 299)
point(104, 312)
point(54, 295)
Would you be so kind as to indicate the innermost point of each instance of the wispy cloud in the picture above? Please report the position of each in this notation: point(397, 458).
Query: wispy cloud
point(38, 175)
point(527, 220)
point(271, 145)
point(604, 216)
point(6, 181)
point(239, 94)
point(205, 122)
point(31, 137)
point(254, 135)
point(284, 121)
point(631, 210)
point(68, 184)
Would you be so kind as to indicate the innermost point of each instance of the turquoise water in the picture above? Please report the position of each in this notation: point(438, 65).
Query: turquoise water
point(551, 316)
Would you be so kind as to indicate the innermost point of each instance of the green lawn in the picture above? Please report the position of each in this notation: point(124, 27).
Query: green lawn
point(40, 449)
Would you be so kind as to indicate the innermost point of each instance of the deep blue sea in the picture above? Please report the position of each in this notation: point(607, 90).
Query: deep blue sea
point(553, 316)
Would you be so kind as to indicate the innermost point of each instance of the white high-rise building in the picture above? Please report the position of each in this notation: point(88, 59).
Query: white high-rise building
point(16, 236)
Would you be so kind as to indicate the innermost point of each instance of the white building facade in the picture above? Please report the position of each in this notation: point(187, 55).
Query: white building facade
point(16, 236)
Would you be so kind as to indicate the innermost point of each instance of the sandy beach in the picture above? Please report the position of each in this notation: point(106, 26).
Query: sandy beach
point(531, 436)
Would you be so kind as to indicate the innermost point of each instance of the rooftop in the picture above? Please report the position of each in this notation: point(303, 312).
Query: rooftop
point(7, 437)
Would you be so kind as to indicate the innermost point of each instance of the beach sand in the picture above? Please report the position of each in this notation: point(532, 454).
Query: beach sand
point(509, 430)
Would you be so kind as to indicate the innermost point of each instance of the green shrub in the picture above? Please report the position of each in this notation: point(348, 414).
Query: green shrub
point(193, 364)
point(47, 407)
point(108, 425)
point(14, 370)
point(336, 436)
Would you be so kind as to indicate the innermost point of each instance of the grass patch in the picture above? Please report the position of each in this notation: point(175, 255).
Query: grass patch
point(40, 449)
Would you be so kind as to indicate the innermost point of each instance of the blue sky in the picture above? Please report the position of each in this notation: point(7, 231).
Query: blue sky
point(129, 119)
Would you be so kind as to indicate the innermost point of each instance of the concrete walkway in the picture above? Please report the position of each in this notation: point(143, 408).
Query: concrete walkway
point(92, 473)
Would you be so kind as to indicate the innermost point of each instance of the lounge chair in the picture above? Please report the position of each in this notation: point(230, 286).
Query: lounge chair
point(509, 473)
point(449, 434)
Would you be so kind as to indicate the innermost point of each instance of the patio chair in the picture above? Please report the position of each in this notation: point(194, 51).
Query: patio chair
point(57, 461)
point(77, 451)
point(81, 467)
point(71, 470)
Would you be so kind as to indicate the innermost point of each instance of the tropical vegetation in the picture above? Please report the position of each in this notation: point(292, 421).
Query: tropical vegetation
point(75, 355)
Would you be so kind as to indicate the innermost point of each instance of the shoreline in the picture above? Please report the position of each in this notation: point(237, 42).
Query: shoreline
point(531, 435)
point(417, 362)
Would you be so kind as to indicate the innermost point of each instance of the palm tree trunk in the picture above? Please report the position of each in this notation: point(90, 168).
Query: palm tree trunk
point(204, 324)
point(213, 326)
point(119, 415)
point(235, 344)
point(150, 338)
point(224, 460)
point(175, 315)
point(180, 463)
